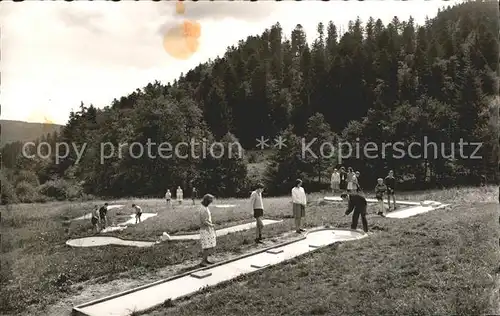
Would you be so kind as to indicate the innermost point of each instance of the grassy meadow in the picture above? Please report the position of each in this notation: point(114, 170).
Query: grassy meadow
point(442, 262)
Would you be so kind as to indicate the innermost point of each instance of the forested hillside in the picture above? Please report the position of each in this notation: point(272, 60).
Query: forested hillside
point(398, 82)
point(18, 131)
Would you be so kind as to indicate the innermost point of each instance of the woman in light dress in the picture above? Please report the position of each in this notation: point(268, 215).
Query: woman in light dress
point(207, 230)
point(351, 179)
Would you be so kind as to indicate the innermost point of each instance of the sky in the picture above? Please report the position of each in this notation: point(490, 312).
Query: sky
point(57, 54)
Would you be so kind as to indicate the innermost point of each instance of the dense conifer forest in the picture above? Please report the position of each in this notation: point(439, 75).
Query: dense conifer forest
point(399, 82)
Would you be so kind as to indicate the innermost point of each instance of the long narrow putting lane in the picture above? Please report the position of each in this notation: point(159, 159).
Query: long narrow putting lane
point(339, 199)
point(96, 241)
point(144, 298)
point(415, 210)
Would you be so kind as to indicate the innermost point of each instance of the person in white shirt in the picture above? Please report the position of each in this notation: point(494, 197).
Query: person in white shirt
point(299, 201)
point(258, 211)
point(179, 195)
point(335, 181)
point(138, 213)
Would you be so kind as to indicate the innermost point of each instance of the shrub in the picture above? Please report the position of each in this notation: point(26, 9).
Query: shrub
point(27, 176)
point(61, 190)
point(27, 193)
point(88, 197)
point(74, 192)
point(8, 192)
point(252, 157)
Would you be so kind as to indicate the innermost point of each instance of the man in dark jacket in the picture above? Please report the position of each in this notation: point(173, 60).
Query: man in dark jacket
point(357, 203)
point(390, 182)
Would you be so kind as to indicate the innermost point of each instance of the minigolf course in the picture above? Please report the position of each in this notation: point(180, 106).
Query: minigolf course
point(152, 295)
point(155, 294)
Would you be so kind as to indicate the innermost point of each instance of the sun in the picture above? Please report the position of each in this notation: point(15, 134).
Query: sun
point(180, 8)
point(182, 40)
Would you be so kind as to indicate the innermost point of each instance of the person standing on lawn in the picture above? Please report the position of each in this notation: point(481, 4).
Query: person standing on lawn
point(168, 198)
point(350, 180)
point(343, 179)
point(380, 191)
point(208, 237)
point(390, 182)
point(179, 195)
point(356, 203)
point(358, 187)
point(194, 195)
point(335, 181)
point(258, 211)
point(95, 219)
point(299, 201)
point(103, 215)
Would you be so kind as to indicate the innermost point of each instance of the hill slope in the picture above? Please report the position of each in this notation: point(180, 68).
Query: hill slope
point(24, 131)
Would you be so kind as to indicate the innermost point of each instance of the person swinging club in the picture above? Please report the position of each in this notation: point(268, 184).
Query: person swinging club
point(356, 203)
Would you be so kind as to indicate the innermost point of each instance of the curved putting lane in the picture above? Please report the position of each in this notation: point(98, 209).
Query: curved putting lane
point(96, 241)
point(155, 294)
point(105, 241)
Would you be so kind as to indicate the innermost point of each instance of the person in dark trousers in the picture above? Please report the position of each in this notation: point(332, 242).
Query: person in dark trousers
point(95, 219)
point(194, 195)
point(390, 183)
point(138, 213)
point(357, 203)
point(103, 215)
point(343, 179)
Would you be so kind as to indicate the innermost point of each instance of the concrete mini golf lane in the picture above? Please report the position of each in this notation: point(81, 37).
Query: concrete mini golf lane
point(225, 231)
point(339, 199)
point(97, 241)
point(415, 209)
point(124, 225)
point(143, 298)
point(412, 211)
point(104, 241)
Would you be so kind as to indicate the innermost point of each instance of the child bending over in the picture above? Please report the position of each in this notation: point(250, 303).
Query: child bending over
point(138, 213)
